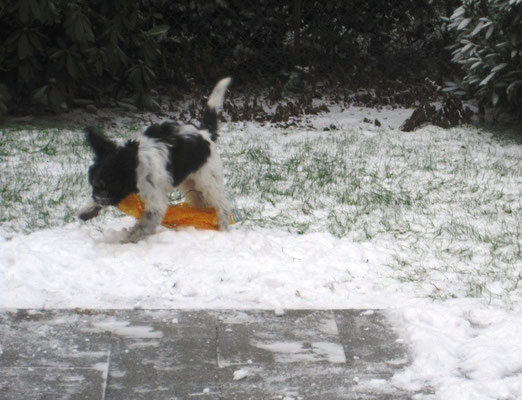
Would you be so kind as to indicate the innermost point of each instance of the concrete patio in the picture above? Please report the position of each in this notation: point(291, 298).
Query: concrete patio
point(217, 354)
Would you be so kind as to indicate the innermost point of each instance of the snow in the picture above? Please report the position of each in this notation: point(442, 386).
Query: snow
point(122, 328)
point(240, 374)
point(463, 347)
point(465, 344)
point(241, 269)
point(289, 352)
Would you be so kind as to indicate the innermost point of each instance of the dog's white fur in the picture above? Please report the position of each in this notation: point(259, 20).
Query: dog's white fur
point(216, 98)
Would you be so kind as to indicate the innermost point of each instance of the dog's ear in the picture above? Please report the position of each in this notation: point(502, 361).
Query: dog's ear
point(98, 142)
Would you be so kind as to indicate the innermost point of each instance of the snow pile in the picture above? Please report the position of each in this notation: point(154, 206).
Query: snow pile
point(77, 266)
point(464, 347)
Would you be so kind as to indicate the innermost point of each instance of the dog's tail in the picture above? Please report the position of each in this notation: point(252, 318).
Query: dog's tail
point(209, 119)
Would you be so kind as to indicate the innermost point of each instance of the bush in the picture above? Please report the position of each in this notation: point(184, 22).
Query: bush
point(58, 50)
point(336, 40)
point(489, 49)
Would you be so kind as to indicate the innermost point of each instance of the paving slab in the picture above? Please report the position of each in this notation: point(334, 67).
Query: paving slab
point(173, 358)
point(207, 354)
point(263, 337)
point(54, 383)
point(45, 355)
point(308, 355)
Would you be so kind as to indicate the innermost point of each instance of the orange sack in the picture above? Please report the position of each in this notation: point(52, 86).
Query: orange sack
point(177, 214)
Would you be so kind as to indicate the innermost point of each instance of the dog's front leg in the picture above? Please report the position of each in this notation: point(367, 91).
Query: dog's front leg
point(145, 226)
point(90, 210)
point(155, 209)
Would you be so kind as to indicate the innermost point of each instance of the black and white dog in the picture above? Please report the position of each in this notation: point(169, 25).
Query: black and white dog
point(165, 156)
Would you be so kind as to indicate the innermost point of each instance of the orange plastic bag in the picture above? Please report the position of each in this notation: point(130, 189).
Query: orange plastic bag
point(177, 214)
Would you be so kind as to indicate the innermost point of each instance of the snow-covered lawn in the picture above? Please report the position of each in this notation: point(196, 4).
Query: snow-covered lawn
point(426, 225)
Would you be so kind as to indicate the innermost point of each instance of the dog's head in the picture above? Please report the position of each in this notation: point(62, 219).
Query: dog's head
point(113, 173)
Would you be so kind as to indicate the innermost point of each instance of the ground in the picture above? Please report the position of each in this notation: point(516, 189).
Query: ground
point(337, 213)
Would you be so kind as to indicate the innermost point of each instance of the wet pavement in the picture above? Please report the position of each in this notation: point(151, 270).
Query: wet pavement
point(217, 354)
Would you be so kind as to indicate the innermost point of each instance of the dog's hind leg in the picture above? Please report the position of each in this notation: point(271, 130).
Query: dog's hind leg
point(192, 196)
point(213, 196)
point(210, 195)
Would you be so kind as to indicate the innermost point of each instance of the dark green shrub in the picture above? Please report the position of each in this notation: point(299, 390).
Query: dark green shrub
point(58, 50)
point(330, 41)
point(489, 49)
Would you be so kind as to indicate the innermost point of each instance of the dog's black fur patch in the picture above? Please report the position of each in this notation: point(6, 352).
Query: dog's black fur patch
point(98, 142)
point(187, 152)
point(113, 174)
point(90, 213)
point(209, 121)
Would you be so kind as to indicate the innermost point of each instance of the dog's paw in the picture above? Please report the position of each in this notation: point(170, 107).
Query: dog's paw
point(224, 226)
point(132, 235)
point(89, 212)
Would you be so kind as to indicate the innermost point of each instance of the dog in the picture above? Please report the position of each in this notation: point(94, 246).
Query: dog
point(165, 156)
